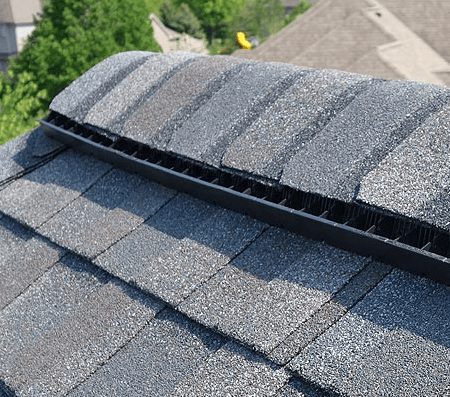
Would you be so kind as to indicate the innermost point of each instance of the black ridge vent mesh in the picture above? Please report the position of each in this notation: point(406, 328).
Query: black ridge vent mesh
point(407, 243)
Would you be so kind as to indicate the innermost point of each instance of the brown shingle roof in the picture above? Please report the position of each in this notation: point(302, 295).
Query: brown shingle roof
point(372, 37)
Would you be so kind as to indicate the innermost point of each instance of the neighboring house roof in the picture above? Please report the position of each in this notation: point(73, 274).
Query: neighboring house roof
point(112, 284)
point(19, 11)
point(385, 38)
point(169, 40)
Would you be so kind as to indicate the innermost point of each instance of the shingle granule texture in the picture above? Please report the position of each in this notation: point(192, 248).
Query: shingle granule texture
point(106, 321)
point(182, 246)
point(219, 121)
point(110, 112)
point(24, 258)
point(295, 388)
point(292, 120)
point(36, 197)
point(167, 350)
point(334, 162)
point(271, 288)
point(25, 152)
point(78, 98)
point(414, 179)
point(86, 332)
point(114, 206)
point(233, 371)
point(111, 284)
point(154, 121)
point(355, 289)
point(43, 307)
point(396, 341)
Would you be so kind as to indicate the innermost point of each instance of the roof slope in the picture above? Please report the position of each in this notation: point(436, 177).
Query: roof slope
point(385, 38)
point(115, 285)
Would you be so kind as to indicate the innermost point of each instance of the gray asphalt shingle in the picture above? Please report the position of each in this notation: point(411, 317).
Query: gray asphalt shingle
point(271, 288)
point(25, 152)
point(116, 204)
point(43, 307)
point(110, 112)
point(414, 179)
point(341, 322)
point(167, 350)
point(297, 389)
point(85, 337)
point(357, 287)
point(396, 341)
point(233, 371)
point(23, 258)
point(108, 320)
point(36, 197)
point(79, 97)
point(334, 162)
point(183, 245)
point(292, 120)
point(230, 110)
point(154, 121)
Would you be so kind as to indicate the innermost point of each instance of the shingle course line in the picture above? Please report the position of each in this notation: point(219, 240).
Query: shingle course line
point(298, 208)
point(187, 111)
point(35, 281)
point(344, 102)
point(46, 159)
point(126, 342)
point(112, 278)
point(231, 259)
point(345, 308)
point(132, 107)
point(81, 193)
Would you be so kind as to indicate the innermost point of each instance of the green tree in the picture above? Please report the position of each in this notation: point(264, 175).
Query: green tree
point(74, 35)
point(153, 5)
point(300, 8)
point(181, 18)
point(216, 16)
point(260, 18)
point(18, 104)
point(71, 37)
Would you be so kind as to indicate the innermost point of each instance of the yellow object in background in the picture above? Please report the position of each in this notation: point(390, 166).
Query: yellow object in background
point(242, 41)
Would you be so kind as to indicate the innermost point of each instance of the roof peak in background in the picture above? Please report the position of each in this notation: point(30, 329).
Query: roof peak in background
point(383, 38)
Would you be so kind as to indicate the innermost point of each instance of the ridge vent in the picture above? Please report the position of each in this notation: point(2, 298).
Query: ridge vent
point(406, 243)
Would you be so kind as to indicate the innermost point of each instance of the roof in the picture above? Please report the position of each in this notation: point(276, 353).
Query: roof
point(112, 284)
point(169, 40)
point(19, 11)
point(384, 38)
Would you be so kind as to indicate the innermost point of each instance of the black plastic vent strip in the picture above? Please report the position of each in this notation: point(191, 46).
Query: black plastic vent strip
point(415, 247)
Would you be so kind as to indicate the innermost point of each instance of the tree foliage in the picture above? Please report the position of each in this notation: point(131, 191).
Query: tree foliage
point(181, 18)
point(216, 16)
point(71, 37)
point(300, 8)
point(74, 35)
point(260, 18)
point(18, 104)
point(221, 19)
